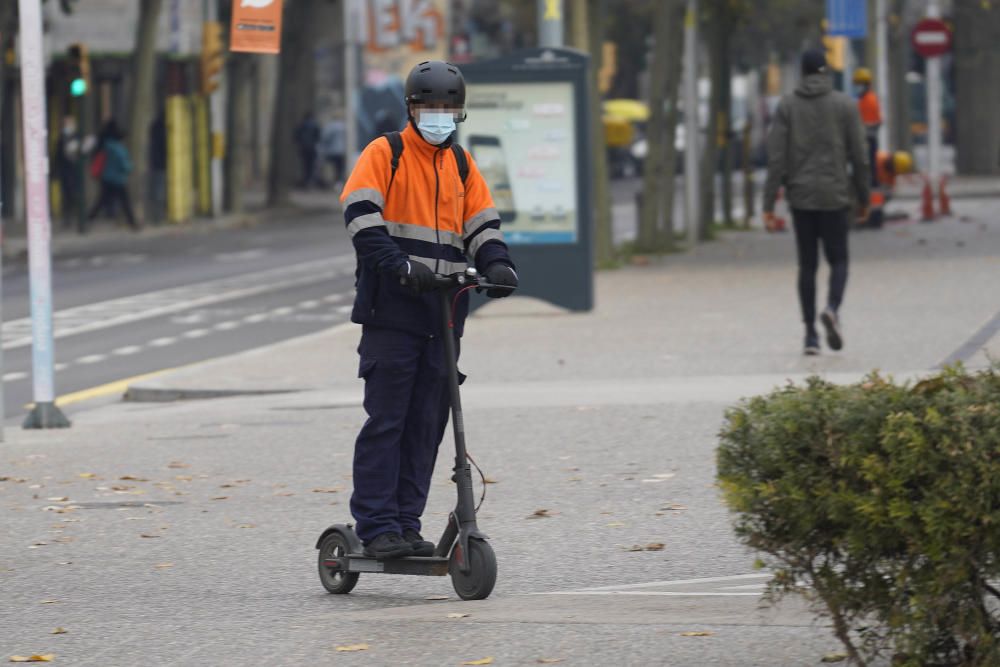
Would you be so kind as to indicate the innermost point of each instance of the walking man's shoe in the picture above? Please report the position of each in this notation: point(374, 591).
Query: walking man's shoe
point(833, 336)
point(812, 344)
point(421, 547)
point(388, 545)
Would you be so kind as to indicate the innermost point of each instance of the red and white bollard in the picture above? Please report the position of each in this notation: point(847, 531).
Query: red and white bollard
point(927, 213)
point(943, 197)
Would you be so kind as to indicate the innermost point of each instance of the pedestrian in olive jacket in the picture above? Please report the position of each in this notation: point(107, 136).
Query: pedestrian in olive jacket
point(816, 150)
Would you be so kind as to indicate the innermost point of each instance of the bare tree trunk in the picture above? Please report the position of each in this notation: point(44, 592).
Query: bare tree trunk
point(239, 109)
point(977, 87)
point(294, 97)
point(710, 155)
point(660, 166)
point(143, 98)
point(726, 129)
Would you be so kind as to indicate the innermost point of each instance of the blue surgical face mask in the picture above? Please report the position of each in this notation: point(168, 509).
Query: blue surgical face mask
point(436, 126)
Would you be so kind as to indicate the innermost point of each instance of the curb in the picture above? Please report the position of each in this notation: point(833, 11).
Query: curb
point(152, 395)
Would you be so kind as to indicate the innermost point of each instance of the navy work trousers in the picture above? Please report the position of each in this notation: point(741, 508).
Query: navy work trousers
point(406, 398)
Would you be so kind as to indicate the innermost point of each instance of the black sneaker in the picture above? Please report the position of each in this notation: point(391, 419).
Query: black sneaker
point(388, 545)
point(812, 344)
point(421, 547)
point(833, 337)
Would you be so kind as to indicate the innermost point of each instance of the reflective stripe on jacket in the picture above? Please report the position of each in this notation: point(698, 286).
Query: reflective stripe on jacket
point(427, 216)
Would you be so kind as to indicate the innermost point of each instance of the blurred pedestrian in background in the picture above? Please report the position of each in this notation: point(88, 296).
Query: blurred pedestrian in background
point(815, 149)
point(67, 168)
point(871, 115)
point(333, 148)
point(114, 168)
point(307, 140)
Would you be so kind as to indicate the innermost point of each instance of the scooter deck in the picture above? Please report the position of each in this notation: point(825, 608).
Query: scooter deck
point(417, 565)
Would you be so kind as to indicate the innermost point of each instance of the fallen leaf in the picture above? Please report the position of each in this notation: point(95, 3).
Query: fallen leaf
point(549, 661)
point(489, 480)
point(437, 597)
point(163, 566)
point(148, 535)
point(350, 648)
point(330, 490)
point(50, 601)
point(58, 499)
point(33, 658)
point(132, 478)
point(634, 547)
point(88, 475)
point(286, 493)
point(615, 524)
point(539, 514)
point(654, 546)
point(834, 657)
point(457, 615)
point(177, 465)
point(575, 479)
point(221, 498)
point(247, 525)
point(697, 633)
point(674, 508)
point(484, 661)
point(121, 487)
point(184, 478)
point(60, 631)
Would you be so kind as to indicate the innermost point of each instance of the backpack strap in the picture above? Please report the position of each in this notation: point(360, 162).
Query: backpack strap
point(396, 144)
point(460, 159)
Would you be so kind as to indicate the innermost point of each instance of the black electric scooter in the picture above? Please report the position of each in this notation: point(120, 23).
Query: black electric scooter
point(462, 552)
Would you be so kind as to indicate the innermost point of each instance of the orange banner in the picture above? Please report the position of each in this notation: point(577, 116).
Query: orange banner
point(256, 26)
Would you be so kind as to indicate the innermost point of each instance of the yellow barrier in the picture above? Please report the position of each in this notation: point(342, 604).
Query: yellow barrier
point(179, 158)
point(204, 155)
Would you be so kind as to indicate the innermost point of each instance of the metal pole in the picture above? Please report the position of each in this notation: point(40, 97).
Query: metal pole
point(217, 118)
point(934, 107)
point(691, 125)
point(45, 414)
point(550, 23)
point(882, 74)
point(847, 81)
point(352, 24)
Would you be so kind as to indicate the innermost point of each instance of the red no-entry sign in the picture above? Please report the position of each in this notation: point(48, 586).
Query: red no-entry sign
point(931, 37)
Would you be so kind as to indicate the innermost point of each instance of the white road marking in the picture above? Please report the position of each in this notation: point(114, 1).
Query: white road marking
point(196, 333)
point(284, 310)
point(60, 367)
point(311, 303)
point(127, 350)
point(333, 298)
point(163, 342)
point(12, 377)
point(345, 309)
point(226, 326)
point(701, 587)
point(115, 312)
point(92, 359)
point(256, 317)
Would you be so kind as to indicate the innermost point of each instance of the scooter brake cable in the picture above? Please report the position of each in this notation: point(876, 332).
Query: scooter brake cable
point(482, 498)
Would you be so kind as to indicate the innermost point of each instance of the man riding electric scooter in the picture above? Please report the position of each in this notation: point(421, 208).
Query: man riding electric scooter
point(416, 207)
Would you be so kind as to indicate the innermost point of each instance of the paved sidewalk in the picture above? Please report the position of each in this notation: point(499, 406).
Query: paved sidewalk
point(192, 538)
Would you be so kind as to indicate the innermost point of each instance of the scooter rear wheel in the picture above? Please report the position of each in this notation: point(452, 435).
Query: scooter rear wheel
point(482, 575)
point(335, 581)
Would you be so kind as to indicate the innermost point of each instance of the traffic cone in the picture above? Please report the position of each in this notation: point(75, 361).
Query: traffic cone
point(943, 196)
point(927, 207)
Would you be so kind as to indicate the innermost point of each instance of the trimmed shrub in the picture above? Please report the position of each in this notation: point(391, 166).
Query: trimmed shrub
point(881, 504)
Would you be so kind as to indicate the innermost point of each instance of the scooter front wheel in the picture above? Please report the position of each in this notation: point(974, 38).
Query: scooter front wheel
point(334, 547)
point(478, 583)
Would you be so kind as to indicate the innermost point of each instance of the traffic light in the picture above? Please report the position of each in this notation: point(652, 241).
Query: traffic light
point(212, 56)
point(835, 47)
point(79, 62)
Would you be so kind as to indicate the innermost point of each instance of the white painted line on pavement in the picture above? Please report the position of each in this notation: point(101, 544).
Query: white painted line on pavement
point(680, 582)
point(284, 310)
point(255, 318)
point(163, 342)
point(311, 303)
point(16, 375)
point(60, 367)
point(196, 333)
point(226, 326)
point(92, 359)
point(345, 309)
point(333, 298)
point(672, 594)
point(127, 350)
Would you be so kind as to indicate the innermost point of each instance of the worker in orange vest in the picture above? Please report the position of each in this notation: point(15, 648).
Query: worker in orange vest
point(871, 114)
point(887, 167)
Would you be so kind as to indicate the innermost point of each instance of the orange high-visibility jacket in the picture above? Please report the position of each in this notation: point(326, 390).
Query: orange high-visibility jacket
point(871, 111)
point(426, 215)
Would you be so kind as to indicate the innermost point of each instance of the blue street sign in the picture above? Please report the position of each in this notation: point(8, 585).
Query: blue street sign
point(847, 18)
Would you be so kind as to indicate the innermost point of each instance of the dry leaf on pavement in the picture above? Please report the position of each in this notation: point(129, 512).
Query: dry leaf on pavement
point(541, 514)
point(60, 631)
point(697, 633)
point(330, 490)
point(834, 657)
point(549, 661)
point(163, 566)
point(350, 648)
point(484, 661)
point(175, 465)
point(132, 478)
point(457, 615)
point(489, 480)
point(47, 657)
point(654, 546)
point(148, 535)
point(437, 597)
point(49, 601)
point(221, 498)
point(88, 475)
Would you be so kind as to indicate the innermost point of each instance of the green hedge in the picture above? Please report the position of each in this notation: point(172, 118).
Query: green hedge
point(881, 504)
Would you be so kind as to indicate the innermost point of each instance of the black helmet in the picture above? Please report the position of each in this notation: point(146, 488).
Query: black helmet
point(435, 81)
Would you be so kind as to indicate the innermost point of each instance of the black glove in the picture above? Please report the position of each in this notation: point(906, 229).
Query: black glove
point(418, 277)
point(502, 275)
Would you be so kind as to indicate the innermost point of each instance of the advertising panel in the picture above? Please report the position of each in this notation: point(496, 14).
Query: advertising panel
point(523, 138)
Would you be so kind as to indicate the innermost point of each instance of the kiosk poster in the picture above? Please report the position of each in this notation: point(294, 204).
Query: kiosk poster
point(522, 137)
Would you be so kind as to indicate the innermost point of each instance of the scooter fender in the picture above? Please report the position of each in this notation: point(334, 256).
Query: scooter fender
point(347, 531)
point(461, 547)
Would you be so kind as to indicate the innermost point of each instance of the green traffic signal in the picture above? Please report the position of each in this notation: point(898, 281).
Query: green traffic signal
point(78, 88)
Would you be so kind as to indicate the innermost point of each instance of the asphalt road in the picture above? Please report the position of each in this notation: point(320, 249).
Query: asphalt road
point(133, 305)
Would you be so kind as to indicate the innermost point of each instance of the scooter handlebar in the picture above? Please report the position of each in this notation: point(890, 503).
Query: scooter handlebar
point(469, 278)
